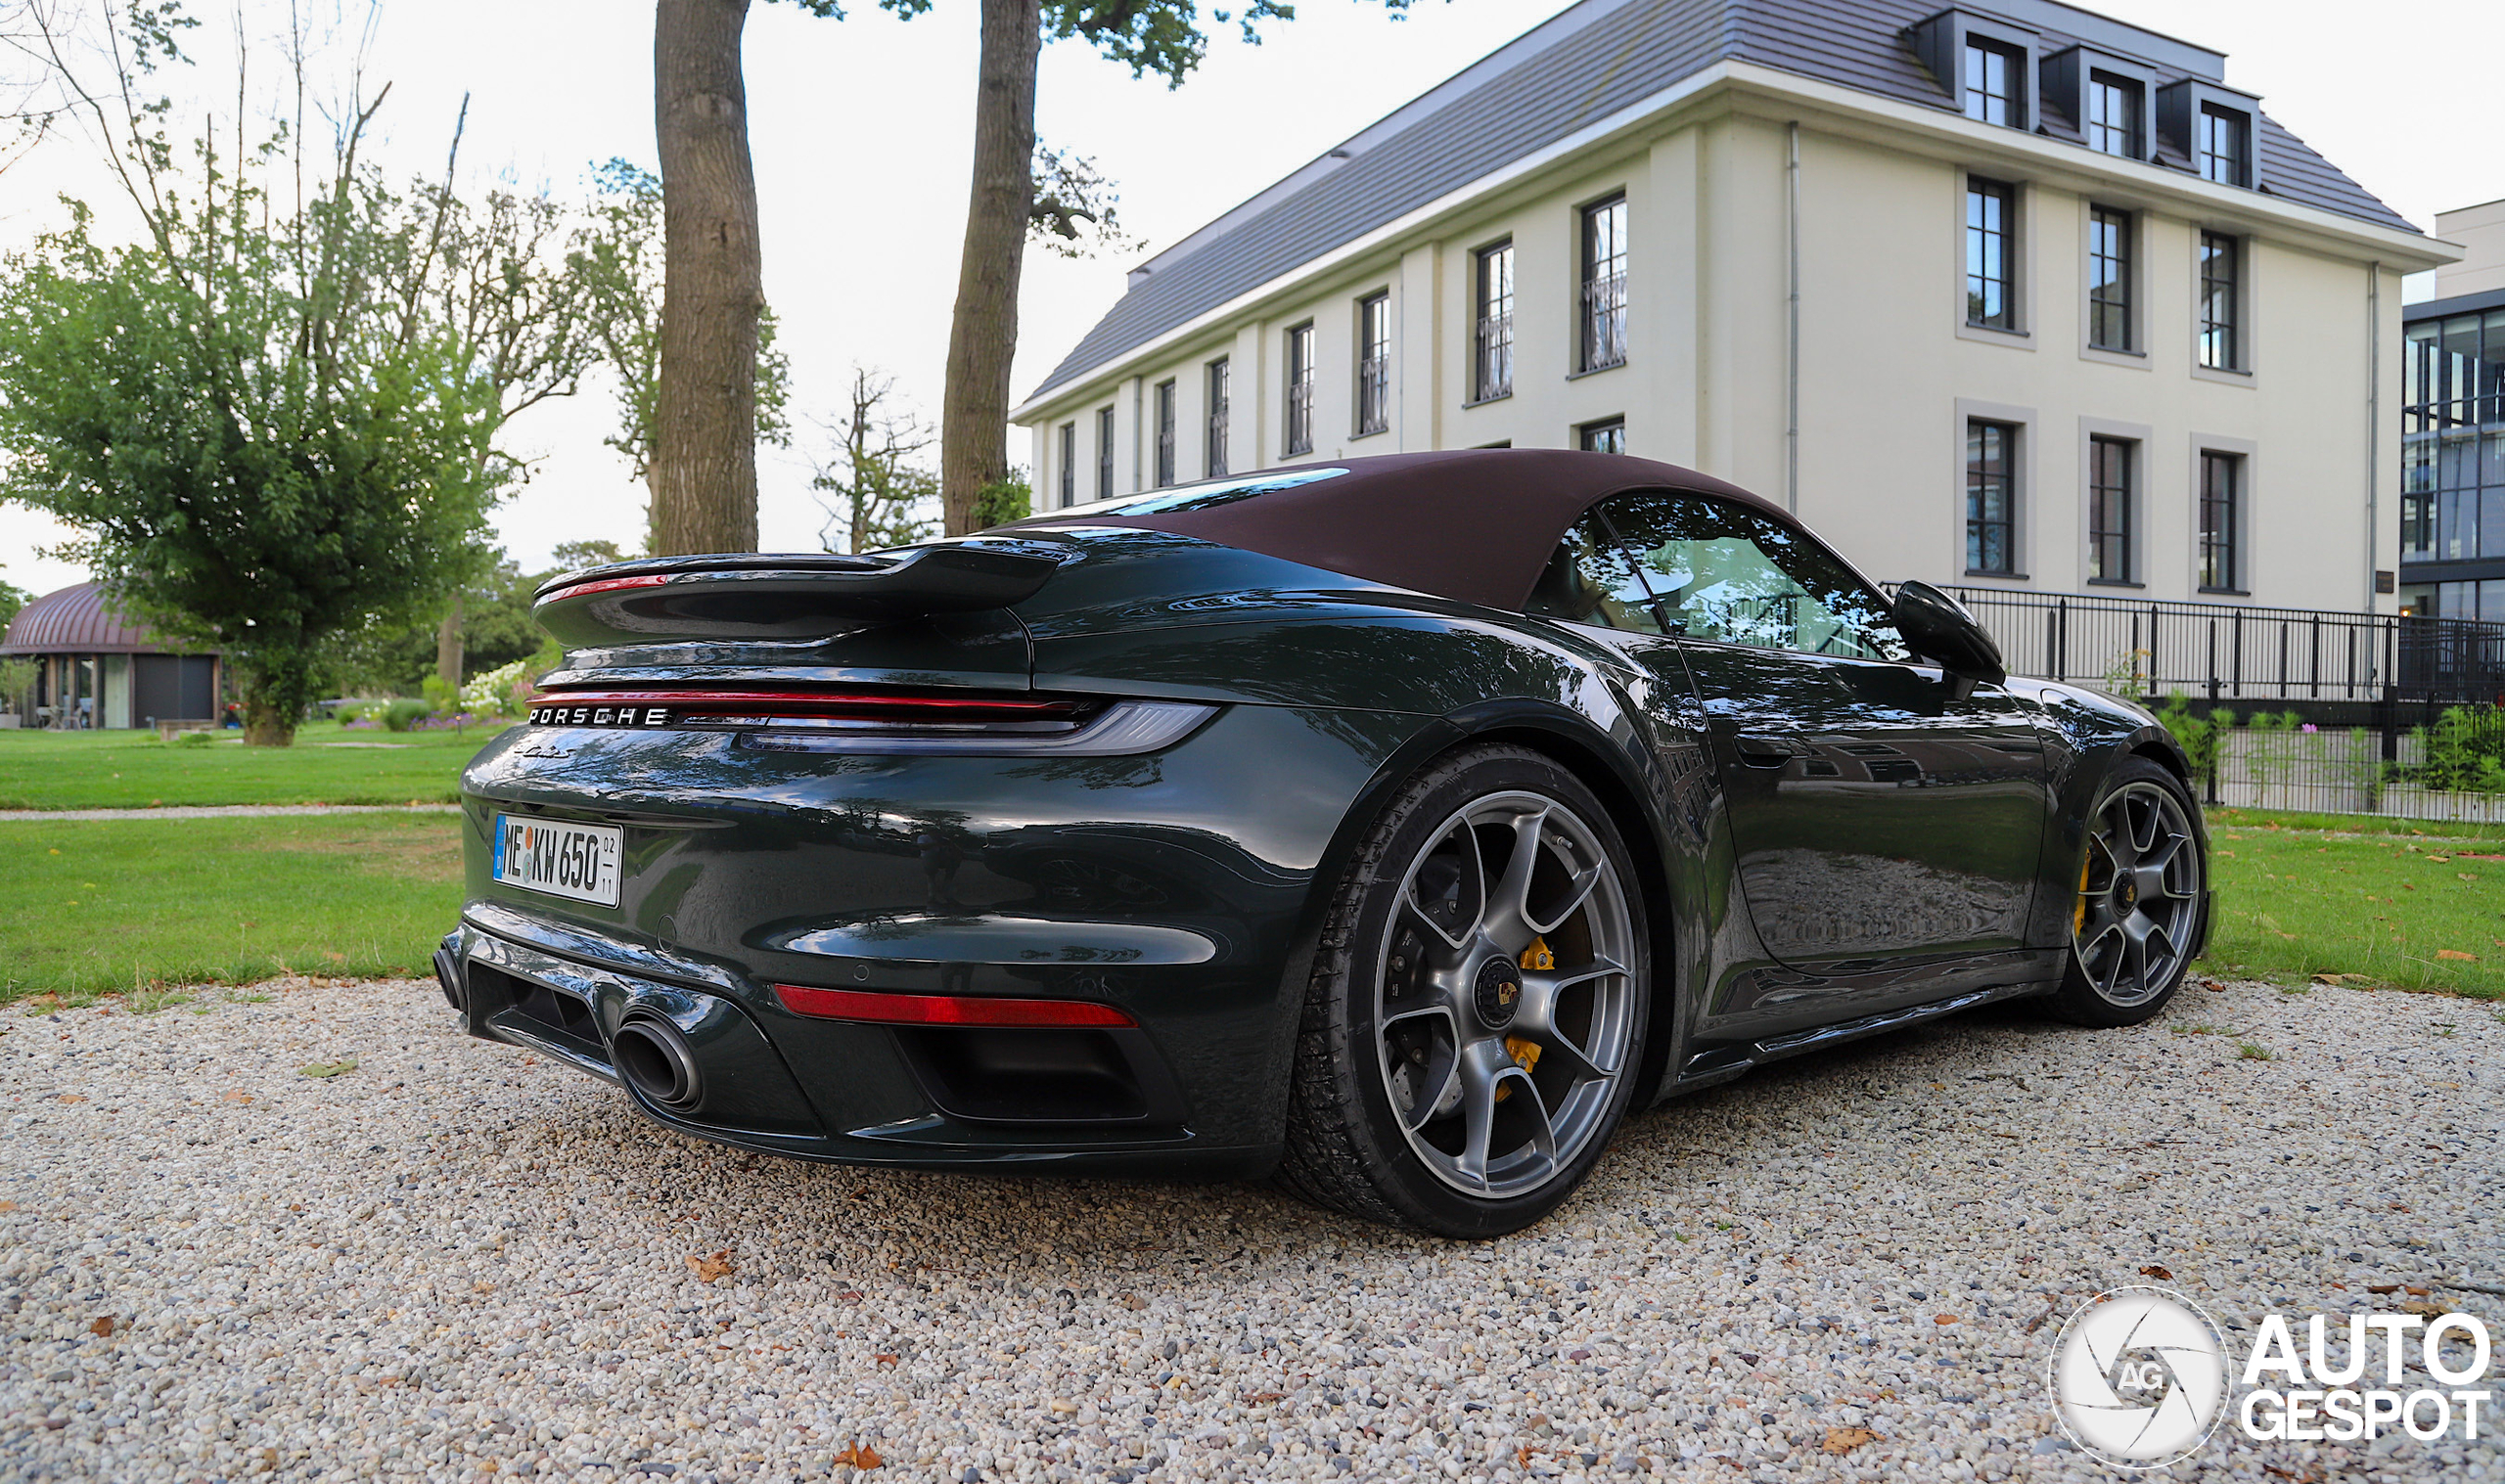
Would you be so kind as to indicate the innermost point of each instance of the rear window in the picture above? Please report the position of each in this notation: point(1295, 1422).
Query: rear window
point(1204, 496)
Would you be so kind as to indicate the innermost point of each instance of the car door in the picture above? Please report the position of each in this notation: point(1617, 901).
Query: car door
point(1882, 812)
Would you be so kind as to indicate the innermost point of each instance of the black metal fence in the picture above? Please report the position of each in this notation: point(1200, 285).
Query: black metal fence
point(2226, 653)
point(2288, 708)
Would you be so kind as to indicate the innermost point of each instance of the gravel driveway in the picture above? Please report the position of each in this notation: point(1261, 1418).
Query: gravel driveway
point(453, 1260)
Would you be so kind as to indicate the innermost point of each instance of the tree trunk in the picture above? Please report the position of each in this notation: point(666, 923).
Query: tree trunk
point(447, 646)
point(974, 422)
point(703, 463)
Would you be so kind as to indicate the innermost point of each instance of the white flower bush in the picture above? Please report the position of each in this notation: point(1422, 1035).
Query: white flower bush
point(492, 694)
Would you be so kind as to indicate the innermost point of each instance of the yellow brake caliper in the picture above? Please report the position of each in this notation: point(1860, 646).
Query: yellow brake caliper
point(2078, 917)
point(1536, 958)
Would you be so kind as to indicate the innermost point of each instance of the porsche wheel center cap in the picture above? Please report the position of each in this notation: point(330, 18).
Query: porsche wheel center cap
point(1499, 992)
point(2127, 895)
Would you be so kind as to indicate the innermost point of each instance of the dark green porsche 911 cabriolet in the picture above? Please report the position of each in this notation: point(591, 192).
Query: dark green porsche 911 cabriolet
point(1391, 826)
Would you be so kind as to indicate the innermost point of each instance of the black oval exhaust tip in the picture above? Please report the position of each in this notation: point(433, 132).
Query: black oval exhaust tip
point(447, 974)
point(657, 1062)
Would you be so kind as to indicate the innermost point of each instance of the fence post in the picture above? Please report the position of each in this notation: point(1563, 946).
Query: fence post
point(2313, 657)
point(2239, 654)
point(2061, 641)
point(2214, 689)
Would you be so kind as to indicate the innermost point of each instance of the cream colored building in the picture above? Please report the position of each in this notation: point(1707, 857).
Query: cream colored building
point(1743, 235)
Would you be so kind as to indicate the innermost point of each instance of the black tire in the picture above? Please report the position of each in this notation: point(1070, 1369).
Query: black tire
point(2128, 958)
point(1411, 1046)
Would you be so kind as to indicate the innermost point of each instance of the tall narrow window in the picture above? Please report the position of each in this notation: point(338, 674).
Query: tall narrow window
point(1103, 453)
point(2114, 107)
point(2224, 145)
point(2221, 522)
point(1165, 434)
point(1993, 76)
point(1301, 391)
point(1991, 498)
point(1991, 212)
point(1607, 436)
point(1215, 467)
point(2109, 510)
point(1604, 334)
point(2108, 279)
point(1069, 465)
point(1493, 374)
point(2222, 289)
point(1374, 363)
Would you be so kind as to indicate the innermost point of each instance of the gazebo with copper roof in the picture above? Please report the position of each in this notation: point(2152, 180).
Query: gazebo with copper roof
point(97, 669)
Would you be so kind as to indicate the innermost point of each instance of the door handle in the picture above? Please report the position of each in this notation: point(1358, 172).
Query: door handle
point(1766, 751)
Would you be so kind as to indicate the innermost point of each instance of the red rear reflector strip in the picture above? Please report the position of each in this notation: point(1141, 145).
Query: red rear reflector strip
point(685, 700)
point(609, 585)
point(944, 1009)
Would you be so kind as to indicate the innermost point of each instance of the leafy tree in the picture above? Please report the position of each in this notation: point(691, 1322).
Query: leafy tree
point(880, 488)
point(617, 258)
point(12, 599)
point(1007, 208)
point(271, 420)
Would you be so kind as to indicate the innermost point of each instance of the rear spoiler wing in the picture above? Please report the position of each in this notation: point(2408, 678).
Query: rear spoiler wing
point(787, 596)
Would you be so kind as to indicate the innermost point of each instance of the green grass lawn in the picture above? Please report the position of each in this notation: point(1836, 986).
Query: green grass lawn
point(2407, 902)
point(98, 906)
point(105, 905)
point(328, 765)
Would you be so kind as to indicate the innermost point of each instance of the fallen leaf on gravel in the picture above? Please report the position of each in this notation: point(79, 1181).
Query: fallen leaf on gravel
point(2383, 1288)
point(708, 1269)
point(1843, 1440)
point(102, 1324)
point(860, 1456)
point(2452, 953)
point(237, 1095)
point(2415, 1292)
point(327, 1068)
point(1943, 1318)
point(2212, 984)
point(2397, 1206)
point(883, 1360)
point(2336, 980)
point(2424, 1309)
point(8, 1206)
point(73, 1097)
point(1134, 1301)
point(2157, 1271)
point(1259, 1398)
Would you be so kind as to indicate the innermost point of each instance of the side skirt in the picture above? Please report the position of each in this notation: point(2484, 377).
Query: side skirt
point(1720, 1063)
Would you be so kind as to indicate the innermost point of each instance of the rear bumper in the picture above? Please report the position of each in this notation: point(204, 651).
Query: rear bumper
point(875, 1095)
point(1177, 888)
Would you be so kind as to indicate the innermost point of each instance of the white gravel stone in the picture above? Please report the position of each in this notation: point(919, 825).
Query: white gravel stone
point(458, 1259)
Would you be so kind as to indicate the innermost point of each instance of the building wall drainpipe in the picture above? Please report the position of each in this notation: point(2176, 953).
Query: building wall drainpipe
point(1792, 351)
point(2374, 424)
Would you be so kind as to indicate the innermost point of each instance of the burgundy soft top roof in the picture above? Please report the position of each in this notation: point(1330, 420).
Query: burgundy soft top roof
point(1475, 525)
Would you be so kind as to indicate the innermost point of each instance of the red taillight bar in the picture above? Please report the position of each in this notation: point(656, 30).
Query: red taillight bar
point(608, 585)
point(945, 1009)
point(680, 701)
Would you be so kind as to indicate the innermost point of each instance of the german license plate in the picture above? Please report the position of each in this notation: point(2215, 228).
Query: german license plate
point(560, 858)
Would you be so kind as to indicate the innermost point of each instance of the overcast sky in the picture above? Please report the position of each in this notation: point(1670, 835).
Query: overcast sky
point(862, 139)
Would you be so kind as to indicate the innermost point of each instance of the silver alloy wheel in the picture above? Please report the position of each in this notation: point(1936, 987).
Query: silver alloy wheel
point(2139, 891)
point(1503, 1005)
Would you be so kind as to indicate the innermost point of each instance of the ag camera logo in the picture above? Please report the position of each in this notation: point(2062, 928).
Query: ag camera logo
point(2139, 1378)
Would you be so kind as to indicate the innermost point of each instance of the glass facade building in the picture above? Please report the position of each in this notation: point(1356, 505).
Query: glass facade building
point(2452, 503)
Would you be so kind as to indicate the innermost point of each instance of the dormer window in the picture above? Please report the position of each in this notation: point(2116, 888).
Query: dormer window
point(1994, 75)
point(2223, 146)
point(1985, 65)
point(2209, 128)
point(2114, 109)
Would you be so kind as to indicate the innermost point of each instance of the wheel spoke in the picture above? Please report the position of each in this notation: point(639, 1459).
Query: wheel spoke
point(1537, 1018)
point(1576, 894)
point(1544, 1134)
point(1506, 919)
point(1478, 1111)
point(1470, 887)
point(2163, 855)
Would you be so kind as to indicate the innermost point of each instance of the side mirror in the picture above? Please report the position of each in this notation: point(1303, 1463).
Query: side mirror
point(1939, 628)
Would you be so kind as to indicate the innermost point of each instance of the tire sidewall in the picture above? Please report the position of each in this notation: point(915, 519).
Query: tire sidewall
point(1404, 1179)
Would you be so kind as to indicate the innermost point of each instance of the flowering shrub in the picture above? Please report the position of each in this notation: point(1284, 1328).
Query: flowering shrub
point(501, 692)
